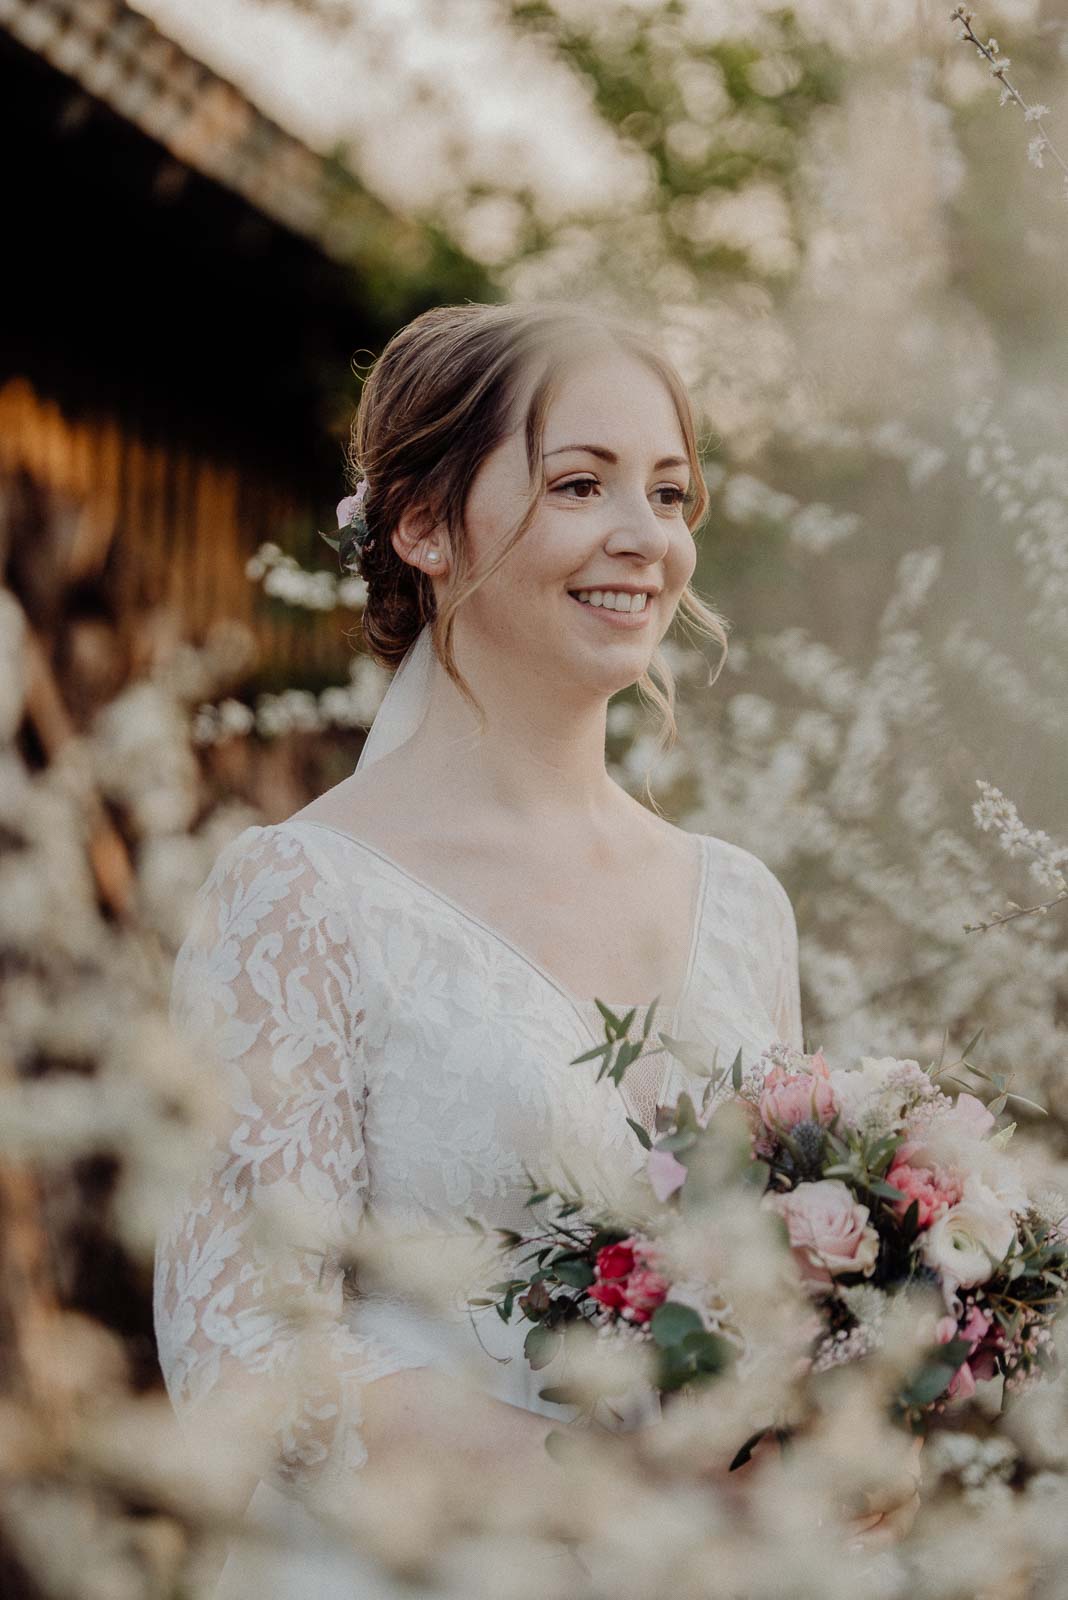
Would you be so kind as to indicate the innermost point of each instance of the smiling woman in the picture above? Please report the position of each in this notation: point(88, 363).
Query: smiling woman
point(398, 979)
point(421, 444)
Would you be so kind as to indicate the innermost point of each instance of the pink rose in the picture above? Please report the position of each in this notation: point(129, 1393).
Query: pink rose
point(829, 1230)
point(962, 1384)
point(644, 1291)
point(974, 1328)
point(932, 1191)
point(792, 1097)
point(665, 1173)
point(626, 1279)
point(984, 1360)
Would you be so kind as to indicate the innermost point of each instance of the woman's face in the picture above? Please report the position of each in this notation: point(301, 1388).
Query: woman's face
point(611, 520)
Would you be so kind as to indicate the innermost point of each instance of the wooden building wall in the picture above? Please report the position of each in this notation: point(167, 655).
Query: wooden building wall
point(148, 526)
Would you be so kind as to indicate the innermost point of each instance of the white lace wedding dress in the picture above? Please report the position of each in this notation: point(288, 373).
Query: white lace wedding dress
point(383, 1053)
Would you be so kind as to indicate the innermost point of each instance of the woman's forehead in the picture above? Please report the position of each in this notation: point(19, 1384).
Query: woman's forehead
point(585, 390)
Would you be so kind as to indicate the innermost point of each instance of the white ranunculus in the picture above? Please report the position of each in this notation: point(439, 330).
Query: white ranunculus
point(957, 1242)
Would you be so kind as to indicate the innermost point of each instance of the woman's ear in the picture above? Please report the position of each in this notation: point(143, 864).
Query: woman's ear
point(417, 538)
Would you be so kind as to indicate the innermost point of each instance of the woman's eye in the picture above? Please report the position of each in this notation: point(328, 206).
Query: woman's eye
point(678, 497)
point(579, 483)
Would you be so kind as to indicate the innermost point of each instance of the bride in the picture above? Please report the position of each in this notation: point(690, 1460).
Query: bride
point(394, 980)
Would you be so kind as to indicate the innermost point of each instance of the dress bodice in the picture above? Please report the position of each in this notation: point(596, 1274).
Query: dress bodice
point(383, 1054)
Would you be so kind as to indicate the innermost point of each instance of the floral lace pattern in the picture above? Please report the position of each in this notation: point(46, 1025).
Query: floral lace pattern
point(379, 1053)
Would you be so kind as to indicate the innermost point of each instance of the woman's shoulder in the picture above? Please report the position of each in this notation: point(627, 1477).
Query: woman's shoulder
point(271, 875)
point(732, 869)
point(267, 846)
point(745, 873)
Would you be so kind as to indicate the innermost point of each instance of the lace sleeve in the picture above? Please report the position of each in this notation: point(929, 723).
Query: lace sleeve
point(782, 943)
point(248, 1289)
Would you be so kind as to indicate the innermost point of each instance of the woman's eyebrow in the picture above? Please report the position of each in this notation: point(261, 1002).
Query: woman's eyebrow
point(610, 455)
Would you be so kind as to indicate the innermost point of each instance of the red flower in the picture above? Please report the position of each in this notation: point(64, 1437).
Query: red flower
point(614, 1264)
point(627, 1281)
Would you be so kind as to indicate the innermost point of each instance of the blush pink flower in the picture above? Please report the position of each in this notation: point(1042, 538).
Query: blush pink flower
point(644, 1290)
point(665, 1173)
point(933, 1191)
point(792, 1097)
point(974, 1328)
point(350, 505)
point(971, 1116)
point(829, 1230)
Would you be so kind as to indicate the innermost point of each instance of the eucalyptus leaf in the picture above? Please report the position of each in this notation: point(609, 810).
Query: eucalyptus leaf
point(1025, 1102)
point(540, 1346)
point(692, 1057)
point(591, 1055)
point(671, 1322)
point(677, 1141)
point(885, 1190)
point(709, 1351)
point(575, 1274)
point(937, 1372)
point(970, 1046)
point(929, 1383)
point(686, 1113)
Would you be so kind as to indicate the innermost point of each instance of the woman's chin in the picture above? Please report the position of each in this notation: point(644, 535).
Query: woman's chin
point(609, 672)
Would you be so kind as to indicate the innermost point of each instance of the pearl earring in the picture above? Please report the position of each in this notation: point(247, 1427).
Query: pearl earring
point(433, 556)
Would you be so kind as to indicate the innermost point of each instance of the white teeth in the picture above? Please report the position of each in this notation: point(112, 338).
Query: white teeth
point(612, 600)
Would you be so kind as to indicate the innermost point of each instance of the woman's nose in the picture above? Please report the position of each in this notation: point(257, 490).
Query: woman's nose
point(637, 527)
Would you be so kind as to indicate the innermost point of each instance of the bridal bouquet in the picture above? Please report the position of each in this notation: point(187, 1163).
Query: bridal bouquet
point(885, 1185)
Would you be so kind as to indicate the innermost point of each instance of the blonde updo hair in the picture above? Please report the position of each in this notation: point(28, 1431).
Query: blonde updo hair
point(436, 402)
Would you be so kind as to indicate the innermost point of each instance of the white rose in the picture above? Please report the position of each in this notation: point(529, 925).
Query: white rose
point(957, 1242)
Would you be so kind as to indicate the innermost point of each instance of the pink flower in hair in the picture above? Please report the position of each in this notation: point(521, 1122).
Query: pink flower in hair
point(348, 508)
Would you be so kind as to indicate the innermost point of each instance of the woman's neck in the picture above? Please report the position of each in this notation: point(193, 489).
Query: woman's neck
point(539, 762)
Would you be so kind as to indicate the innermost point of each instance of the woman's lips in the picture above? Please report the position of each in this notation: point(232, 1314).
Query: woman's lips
point(617, 619)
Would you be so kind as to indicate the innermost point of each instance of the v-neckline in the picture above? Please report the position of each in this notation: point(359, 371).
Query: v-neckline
point(577, 1004)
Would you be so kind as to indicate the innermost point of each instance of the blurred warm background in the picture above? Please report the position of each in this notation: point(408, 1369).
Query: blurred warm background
point(850, 236)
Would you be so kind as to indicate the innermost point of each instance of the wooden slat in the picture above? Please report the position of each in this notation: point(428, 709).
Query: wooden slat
point(184, 525)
